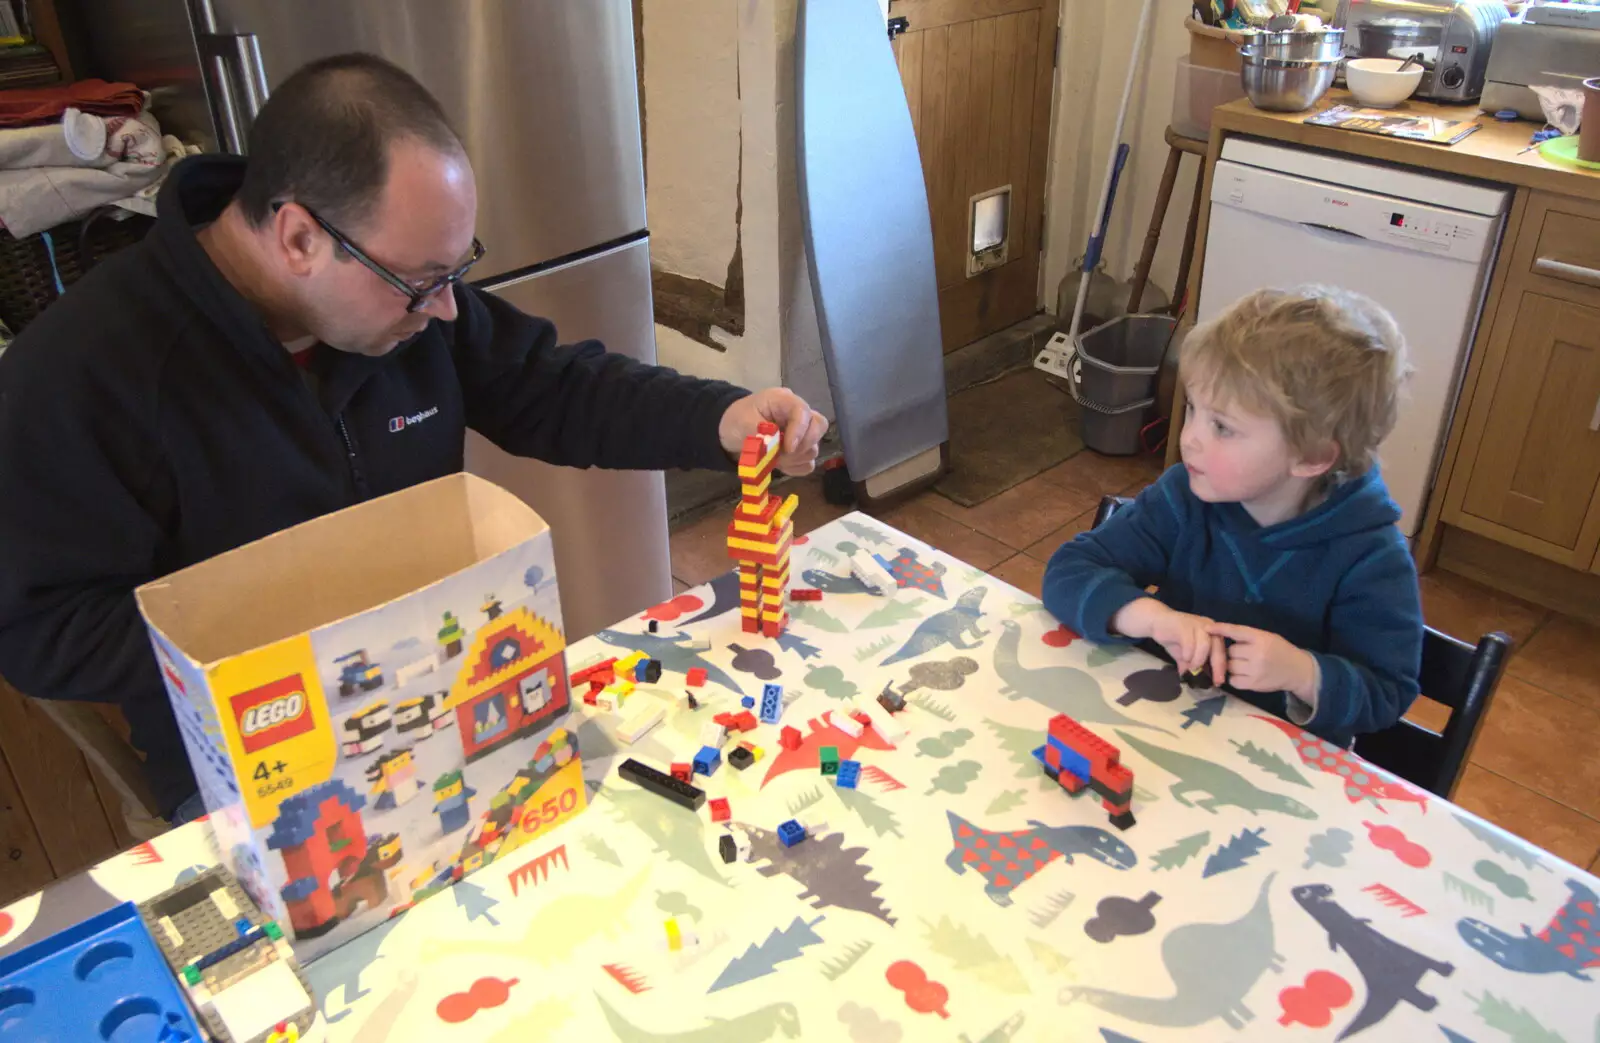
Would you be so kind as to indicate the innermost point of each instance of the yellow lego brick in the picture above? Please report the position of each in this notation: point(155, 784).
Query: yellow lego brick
point(786, 512)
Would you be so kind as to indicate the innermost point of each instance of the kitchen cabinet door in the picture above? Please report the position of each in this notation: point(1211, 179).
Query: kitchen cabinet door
point(1538, 465)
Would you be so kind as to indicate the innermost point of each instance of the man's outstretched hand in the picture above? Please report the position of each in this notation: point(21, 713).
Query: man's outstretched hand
point(800, 427)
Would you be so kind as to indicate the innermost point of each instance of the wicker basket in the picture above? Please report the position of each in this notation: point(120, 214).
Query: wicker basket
point(27, 283)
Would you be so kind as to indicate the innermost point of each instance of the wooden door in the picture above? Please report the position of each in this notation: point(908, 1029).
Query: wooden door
point(1538, 467)
point(978, 77)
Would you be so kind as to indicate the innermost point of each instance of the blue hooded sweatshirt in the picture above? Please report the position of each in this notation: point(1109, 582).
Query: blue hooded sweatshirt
point(1337, 581)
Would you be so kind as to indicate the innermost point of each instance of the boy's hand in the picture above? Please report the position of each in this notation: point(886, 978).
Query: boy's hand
point(1261, 661)
point(1187, 638)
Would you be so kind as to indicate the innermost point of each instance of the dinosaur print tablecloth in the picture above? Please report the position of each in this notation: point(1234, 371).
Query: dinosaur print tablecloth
point(1273, 887)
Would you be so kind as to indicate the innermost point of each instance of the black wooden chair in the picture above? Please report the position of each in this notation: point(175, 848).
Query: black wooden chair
point(1460, 676)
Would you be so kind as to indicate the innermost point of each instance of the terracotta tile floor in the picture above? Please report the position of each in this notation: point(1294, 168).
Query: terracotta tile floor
point(1533, 770)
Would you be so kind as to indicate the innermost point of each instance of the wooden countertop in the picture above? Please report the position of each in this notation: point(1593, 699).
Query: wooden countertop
point(1492, 153)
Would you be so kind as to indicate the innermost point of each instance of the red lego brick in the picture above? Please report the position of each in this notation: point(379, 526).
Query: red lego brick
point(720, 812)
point(591, 695)
point(1099, 753)
point(861, 717)
point(696, 676)
point(744, 721)
point(727, 720)
point(751, 626)
point(766, 427)
point(580, 676)
point(683, 772)
point(789, 738)
point(805, 594)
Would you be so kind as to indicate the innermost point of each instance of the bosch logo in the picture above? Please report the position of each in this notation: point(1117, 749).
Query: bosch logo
point(272, 713)
point(400, 423)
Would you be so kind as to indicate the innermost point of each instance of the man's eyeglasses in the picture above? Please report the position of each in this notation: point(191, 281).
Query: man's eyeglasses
point(420, 291)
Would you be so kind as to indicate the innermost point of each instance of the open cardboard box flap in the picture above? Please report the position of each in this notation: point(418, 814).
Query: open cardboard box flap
point(334, 567)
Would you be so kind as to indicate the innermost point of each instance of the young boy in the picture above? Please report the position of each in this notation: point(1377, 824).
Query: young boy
point(1273, 547)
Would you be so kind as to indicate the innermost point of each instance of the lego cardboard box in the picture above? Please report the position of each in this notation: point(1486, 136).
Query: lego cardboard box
point(371, 701)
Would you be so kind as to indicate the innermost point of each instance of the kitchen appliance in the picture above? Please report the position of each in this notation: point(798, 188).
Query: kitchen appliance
point(1454, 38)
point(1286, 217)
point(544, 96)
point(1527, 53)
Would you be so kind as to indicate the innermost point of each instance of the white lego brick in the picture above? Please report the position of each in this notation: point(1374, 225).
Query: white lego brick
point(713, 735)
point(607, 700)
point(252, 1006)
point(637, 724)
point(225, 904)
point(871, 572)
point(699, 644)
point(849, 725)
point(889, 726)
point(170, 929)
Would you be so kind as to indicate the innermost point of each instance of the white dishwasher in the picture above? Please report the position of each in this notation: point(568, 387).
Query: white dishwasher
point(1420, 245)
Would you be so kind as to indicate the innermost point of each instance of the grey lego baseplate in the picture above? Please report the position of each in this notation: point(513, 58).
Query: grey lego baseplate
point(195, 919)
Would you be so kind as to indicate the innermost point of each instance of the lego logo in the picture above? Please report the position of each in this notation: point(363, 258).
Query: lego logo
point(272, 713)
point(269, 715)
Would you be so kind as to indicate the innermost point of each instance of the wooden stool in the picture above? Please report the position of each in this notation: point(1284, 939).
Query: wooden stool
point(1177, 145)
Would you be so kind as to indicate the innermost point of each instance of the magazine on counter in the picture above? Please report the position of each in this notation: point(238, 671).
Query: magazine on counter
point(1393, 124)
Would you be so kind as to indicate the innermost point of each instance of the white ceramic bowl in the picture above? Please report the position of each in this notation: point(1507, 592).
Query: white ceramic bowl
point(1378, 83)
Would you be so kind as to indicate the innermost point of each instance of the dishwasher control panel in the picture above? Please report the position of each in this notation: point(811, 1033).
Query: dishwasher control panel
point(1337, 212)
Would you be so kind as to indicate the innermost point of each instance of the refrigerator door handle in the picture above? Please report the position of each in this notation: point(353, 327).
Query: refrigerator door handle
point(240, 95)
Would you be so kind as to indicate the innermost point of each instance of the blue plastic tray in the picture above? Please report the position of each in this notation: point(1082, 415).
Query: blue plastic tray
point(102, 981)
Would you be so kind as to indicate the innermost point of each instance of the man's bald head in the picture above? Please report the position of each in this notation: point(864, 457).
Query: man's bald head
point(324, 138)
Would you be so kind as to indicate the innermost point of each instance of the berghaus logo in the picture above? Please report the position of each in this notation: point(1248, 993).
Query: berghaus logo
point(400, 423)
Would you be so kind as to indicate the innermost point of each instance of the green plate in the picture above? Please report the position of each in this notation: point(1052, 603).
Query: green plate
point(1565, 150)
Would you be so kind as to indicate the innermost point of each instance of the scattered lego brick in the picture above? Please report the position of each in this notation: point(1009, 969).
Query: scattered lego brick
point(680, 934)
point(828, 760)
point(872, 574)
point(662, 784)
point(890, 729)
point(805, 594)
point(590, 669)
point(713, 735)
point(699, 644)
point(720, 811)
point(748, 702)
point(707, 761)
point(741, 758)
point(861, 717)
point(735, 846)
point(655, 627)
point(790, 738)
point(694, 704)
point(791, 833)
point(891, 700)
point(696, 676)
point(636, 725)
point(591, 696)
point(771, 703)
point(682, 771)
point(849, 725)
point(725, 719)
point(744, 721)
point(849, 775)
point(755, 751)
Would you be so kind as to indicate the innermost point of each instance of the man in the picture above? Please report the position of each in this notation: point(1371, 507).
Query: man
point(233, 375)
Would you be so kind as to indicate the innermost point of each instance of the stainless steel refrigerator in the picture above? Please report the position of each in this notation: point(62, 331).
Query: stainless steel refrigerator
point(544, 94)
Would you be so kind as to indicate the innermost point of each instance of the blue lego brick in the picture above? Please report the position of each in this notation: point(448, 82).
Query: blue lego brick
point(242, 926)
point(101, 979)
point(791, 833)
point(1071, 760)
point(771, 704)
point(748, 702)
point(707, 760)
point(849, 774)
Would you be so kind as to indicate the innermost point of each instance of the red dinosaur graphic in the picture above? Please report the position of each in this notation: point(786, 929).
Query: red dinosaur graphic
point(822, 734)
point(1360, 780)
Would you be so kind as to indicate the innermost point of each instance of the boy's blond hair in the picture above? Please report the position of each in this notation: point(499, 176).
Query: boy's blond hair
point(1324, 363)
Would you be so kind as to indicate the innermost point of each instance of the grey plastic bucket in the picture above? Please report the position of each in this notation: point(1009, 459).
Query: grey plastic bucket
point(1119, 360)
point(1114, 379)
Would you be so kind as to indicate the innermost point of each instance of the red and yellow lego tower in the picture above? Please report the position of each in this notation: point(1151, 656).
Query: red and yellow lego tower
point(759, 537)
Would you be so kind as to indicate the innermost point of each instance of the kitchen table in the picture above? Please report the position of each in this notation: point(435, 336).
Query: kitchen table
point(1273, 887)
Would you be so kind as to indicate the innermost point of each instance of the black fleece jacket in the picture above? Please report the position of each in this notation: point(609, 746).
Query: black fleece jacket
point(148, 421)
